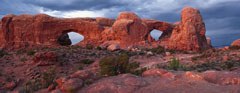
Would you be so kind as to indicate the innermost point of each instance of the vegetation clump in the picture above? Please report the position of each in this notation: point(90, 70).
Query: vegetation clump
point(114, 65)
point(2, 53)
point(87, 61)
point(45, 80)
point(158, 50)
point(31, 52)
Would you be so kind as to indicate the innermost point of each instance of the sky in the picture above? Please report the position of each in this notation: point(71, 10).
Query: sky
point(222, 17)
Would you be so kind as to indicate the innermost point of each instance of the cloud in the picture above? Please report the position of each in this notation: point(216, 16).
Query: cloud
point(72, 14)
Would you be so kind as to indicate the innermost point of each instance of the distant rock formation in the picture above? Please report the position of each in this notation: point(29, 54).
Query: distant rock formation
point(128, 30)
point(236, 43)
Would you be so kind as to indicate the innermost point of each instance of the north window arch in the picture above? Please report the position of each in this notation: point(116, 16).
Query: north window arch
point(70, 38)
point(156, 34)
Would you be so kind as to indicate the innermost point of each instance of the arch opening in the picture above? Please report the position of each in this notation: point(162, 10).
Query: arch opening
point(70, 38)
point(156, 34)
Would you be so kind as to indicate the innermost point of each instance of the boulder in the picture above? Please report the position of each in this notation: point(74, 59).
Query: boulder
point(82, 74)
point(236, 43)
point(113, 47)
point(69, 85)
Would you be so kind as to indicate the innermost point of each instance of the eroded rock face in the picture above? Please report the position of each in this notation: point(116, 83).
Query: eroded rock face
point(189, 34)
point(127, 30)
point(236, 43)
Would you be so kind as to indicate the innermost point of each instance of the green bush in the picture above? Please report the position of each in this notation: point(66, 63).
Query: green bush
point(46, 79)
point(23, 59)
point(31, 52)
point(174, 64)
point(158, 50)
point(87, 61)
point(89, 46)
point(2, 53)
point(80, 67)
point(115, 65)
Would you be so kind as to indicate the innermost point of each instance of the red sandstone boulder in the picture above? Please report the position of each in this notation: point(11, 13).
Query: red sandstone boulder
point(222, 78)
point(82, 74)
point(69, 85)
point(236, 43)
point(113, 47)
point(159, 72)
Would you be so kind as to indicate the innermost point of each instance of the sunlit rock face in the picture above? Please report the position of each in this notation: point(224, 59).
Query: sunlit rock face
point(127, 30)
point(189, 34)
point(236, 43)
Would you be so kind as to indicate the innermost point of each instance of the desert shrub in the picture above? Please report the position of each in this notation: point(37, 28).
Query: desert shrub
point(2, 53)
point(115, 65)
point(89, 46)
point(88, 82)
point(62, 59)
point(108, 66)
point(158, 50)
point(139, 71)
point(99, 48)
point(45, 79)
point(80, 67)
point(174, 64)
point(87, 61)
point(23, 59)
point(31, 52)
point(20, 51)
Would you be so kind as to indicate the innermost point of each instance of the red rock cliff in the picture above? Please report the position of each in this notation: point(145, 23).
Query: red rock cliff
point(127, 30)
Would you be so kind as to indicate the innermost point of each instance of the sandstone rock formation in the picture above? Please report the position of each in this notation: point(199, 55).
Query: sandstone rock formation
point(190, 33)
point(127, 30)
point(236, 43)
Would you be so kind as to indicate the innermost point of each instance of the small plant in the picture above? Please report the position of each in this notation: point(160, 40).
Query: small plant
point(158, 50)
point(20, 51)
point(23, 59)
point(87, 82)
point(2, 53)
point(46, 79)
point(174, 64)
point(31, 52)
point(89, 46)
point(139, 71)
point(87, 61)
point(115, 65)
point(80, 67)
point(108, 66)
point(99, 48)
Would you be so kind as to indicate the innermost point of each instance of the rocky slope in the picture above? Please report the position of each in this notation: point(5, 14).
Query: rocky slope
point(75, 69)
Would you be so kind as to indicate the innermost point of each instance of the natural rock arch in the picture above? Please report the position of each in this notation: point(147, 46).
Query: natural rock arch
point(127, 30)
point(65, 38)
